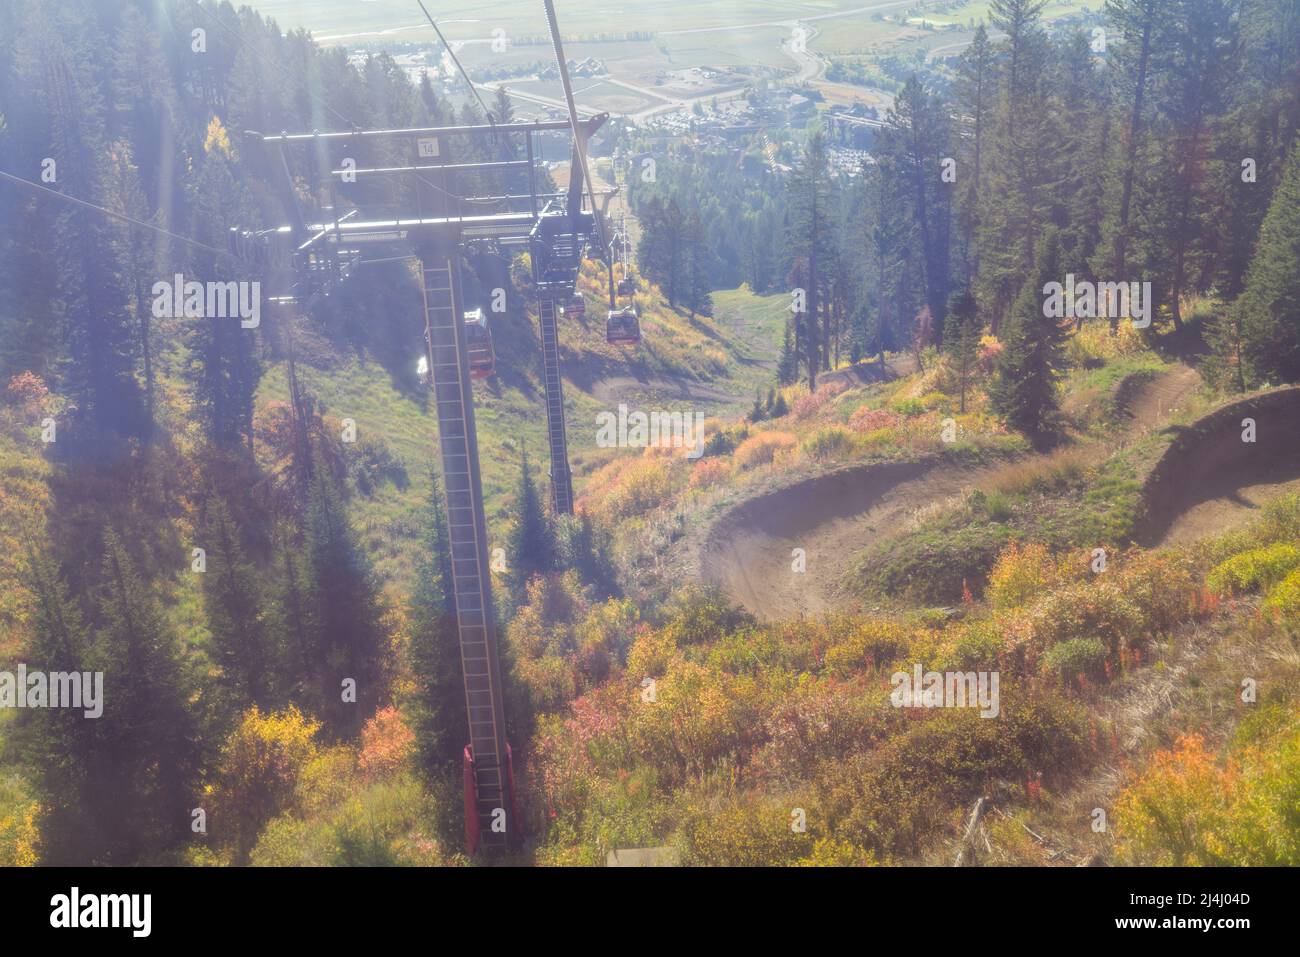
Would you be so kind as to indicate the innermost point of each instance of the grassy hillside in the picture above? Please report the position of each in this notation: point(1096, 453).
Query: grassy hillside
point(1135, 666)
point(727, 356)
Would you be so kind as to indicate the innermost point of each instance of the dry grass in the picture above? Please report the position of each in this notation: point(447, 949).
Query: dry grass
point(1039, 473)
point(760, 449)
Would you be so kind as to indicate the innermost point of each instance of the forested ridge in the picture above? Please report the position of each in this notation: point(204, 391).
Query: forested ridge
point(1149, 144)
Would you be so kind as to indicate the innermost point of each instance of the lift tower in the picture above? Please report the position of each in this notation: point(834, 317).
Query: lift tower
point(415, 207)
point(315, 252)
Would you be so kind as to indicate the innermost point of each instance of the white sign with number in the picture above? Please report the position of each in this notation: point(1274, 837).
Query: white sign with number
point(428, 147)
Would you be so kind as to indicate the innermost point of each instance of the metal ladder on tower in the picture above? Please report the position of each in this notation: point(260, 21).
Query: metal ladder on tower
point(488, 757)
point(561, 478)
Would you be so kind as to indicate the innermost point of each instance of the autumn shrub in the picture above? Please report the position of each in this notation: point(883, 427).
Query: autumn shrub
point(1076, 658)
point(829, 852)
point(1178, 811)
point(700, 616)
point(894, 799)
point(1021, 575)
point(1285, 596)
point(761, 447)
point(702, 721)
point(646, 484)
point(1279, 521)
point(807, 406)
point(383, 824)
point(1190, 807)
point(817, 722)
point(973, 644)
point(747, 830)
point(629, 486)
point(257, 775)
point(866, 642)
point(649, 655)
point(709, 472)
point(27, 390)
point(20, 838)
point(1141, 596)
point(601, 639)
point(1259, 568)
point(869, 420)
point(1095, 344)
point(387, 743)
point(830, 442)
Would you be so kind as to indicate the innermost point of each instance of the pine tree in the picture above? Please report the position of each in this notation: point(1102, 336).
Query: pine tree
point(1023, 192)
point(532, 538)
point(1201, 74)
point(225, 369)
point(144, 767)
point(962, 337)
point(437, 702)
point(65, 112)
point(810, 235)
point(1030, 364)
point(787, 366)
point(1268, 311)
point(700, 266)
point(59, 742)
point(232, 601)
point(975, 85)
point(342, 608)
point(1139, 25)
point(915, 135)
point(586, 547)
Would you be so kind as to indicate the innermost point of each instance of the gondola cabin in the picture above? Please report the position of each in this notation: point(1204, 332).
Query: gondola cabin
point(626, 286)
point(577, 306)
point(478, 345)
point(623, 328)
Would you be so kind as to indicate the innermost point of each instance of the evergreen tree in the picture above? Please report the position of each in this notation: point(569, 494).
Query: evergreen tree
point(1138, 23)
point(1023, 190)
point(66, 116)
point(962, 337)
point(586, 547)
point(787, 366)
point(915, 135)
point(144, 767)
point(532, 539)
point(342, 610)
point(1030, 364)
point(59, 742)
point(437, 702)
point(232, 601)
point(225, 369)
point(810, 239)
point(974, 87)
point(1268, 311)
point(699, 264)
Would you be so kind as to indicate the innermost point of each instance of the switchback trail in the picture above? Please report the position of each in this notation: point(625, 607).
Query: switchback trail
point(833, 517)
